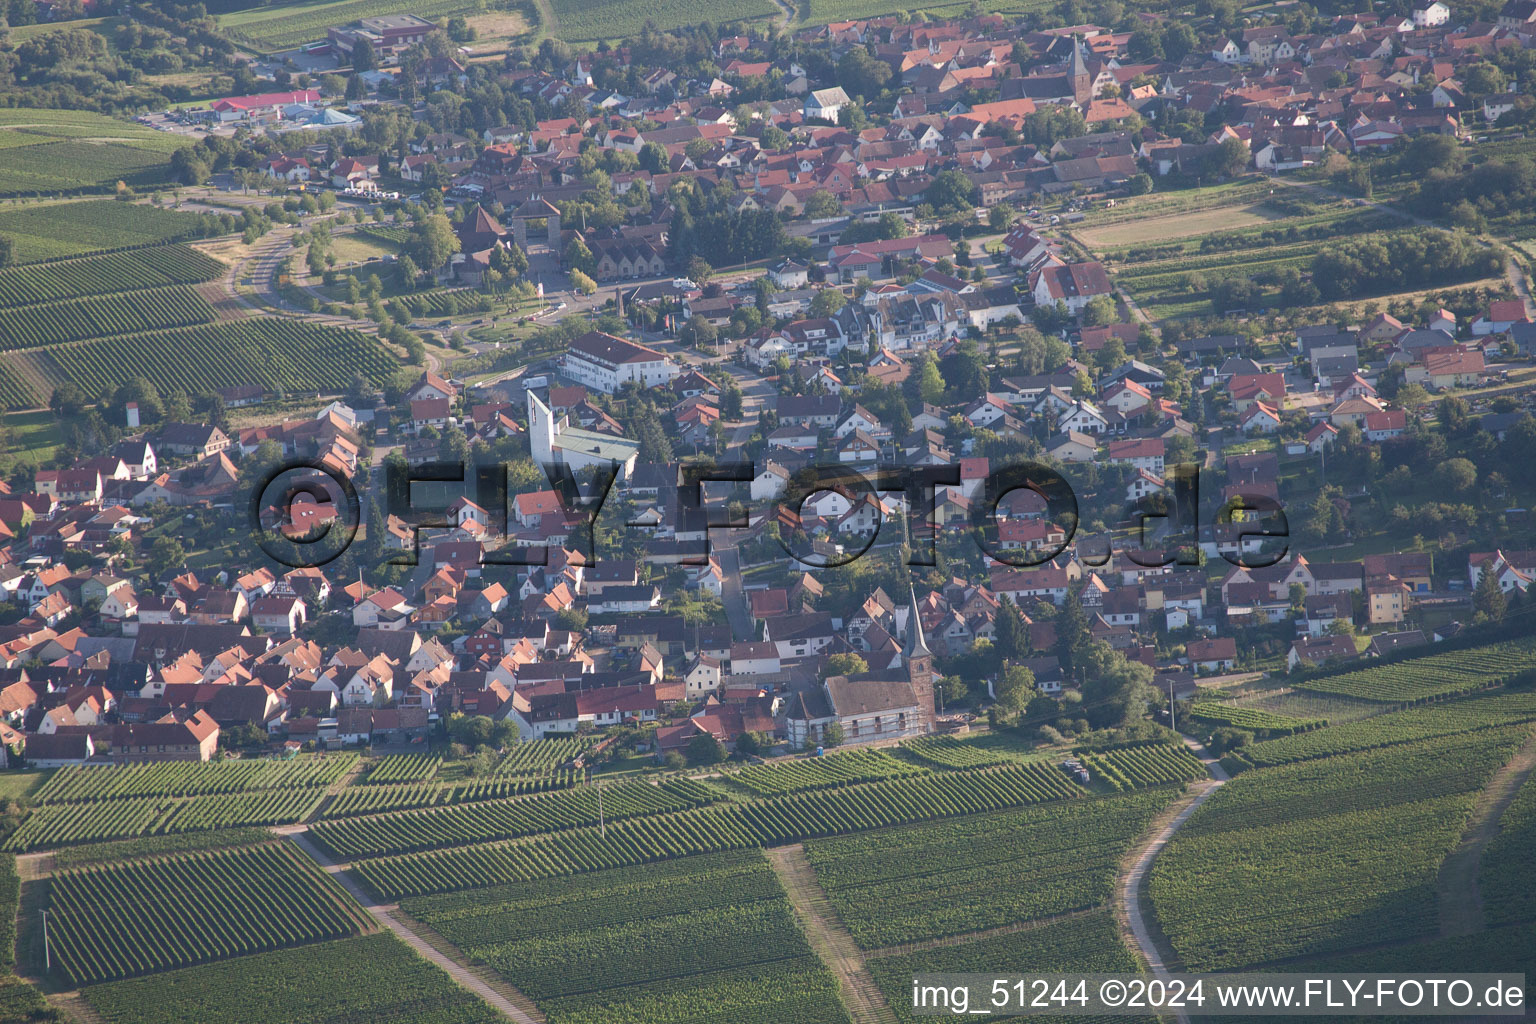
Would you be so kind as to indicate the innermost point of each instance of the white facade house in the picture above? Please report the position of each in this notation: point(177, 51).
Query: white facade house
point(606, 363)
point(826, 104)
point(1431, 15)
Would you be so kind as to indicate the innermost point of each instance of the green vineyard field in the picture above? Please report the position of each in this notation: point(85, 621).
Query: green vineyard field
point(1242, 717)
point(837, 769)
point(1421, 722)
point(180, 778)
point(969, 874)
point(65, 824)
point(1151, 765)
point(378, 799)
point(1431, 675)
point(647, 943)
point(380, 976)
point(136, 918)
point(284, 26)
point(102, 316)
point(772, 822)
point(403, 768)
point(480, 822)
point(15, 393)
point(590, 20)
point(949, 752)
point(287, 355)
point(1505, 877)
point(114, 272)
point(1090, 943)
point(1338, 852)
point(69, 229)
point(539, 756)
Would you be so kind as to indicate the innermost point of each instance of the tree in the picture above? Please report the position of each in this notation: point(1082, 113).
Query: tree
point(1146, 45)
point(930, 387)
point(1228, 159)
point(1488, 599)
point(861, 73)
point(433, 241)
point(1015, 689)
point(1412, 395)
point(583, 283)
point(1431, 152)
point(363, 57)
point(846, 665)
point(704, 749)
point(1484, 79)
point(697, 332)
point(950, 192)
point(821, 204)
point(1071, 630)
point(832, 735)
point(827, 302)
point(1455, 415)
point(753, 743)
point(730, 400)
point(1013, 639)
point(699, 271)
point(578, 257)
point(653, 158)
point(165, 555)
point(1140, 184)
point(1322, 518)
point(1099, 311)
point(1456, 475)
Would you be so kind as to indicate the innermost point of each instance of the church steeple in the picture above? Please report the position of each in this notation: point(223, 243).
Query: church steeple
point(919, 662)
point(1077, 74)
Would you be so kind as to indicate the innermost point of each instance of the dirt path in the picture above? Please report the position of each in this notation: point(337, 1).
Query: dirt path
point(74, 1007)
point(861, 997)
point(1135, 921)
point(336, 788)
point(386, 914)
point(1522, 287)
point(1461, 902)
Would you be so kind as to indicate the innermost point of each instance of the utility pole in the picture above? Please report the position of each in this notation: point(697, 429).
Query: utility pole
point(47, 957)
point(1172, 721)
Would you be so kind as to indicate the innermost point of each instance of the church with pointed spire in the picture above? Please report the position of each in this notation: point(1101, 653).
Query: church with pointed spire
point(1070, 81)
point(894, 703)
point(918, 662)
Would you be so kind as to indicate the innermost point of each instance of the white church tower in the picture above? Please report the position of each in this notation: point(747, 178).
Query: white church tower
point(542, 430)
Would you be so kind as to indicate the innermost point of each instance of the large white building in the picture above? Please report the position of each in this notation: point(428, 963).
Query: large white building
point(605, 363)
point(555, 441)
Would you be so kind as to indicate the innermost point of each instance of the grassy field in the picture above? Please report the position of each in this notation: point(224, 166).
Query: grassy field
point(1173, 226)
point(33, 434)
point(21, 785)
point(102, 26)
